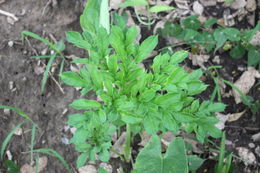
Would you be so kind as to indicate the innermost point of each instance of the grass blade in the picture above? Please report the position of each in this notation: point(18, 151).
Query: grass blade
point(37, 37)
point(18, 111)
point(8, 138)
point(41, 57)
point(53, 154)
point(46, 72)
point(221, 154)
point(37, 163)
point(32, 141)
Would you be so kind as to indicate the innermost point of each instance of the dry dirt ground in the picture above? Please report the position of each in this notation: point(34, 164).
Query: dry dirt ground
point(20, 80)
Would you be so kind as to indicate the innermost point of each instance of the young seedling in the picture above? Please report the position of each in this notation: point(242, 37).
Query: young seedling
point(130, 97)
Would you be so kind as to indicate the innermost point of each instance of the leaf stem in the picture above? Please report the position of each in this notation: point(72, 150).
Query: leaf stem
point(127, 145)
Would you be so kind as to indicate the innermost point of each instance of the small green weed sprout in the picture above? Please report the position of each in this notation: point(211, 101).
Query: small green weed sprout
point(56, 47)
point(129, 96)
point(192, 32)
point(10, 165)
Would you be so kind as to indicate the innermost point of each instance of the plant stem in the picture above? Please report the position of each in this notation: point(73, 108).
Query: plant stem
point(127, 145)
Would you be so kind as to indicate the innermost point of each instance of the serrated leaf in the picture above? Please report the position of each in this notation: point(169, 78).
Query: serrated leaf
point(191, 22)
point(179, 56)
point(253, 57)
point(75, 119)
point(76, 39)
point(82, 159)
point(147, 95)
point(220, 37)
point(85, 104)
point(130, 118)
point(210, 22)
point(232, 34)
point(170, 123)
point(104, 156)
point(160, 8)
point(131, 35)
point(132, 3)
point(151, 124)
point(146, 48)
point(80, 136)
point(184, 117)
point(73, 79)
point(237, 52)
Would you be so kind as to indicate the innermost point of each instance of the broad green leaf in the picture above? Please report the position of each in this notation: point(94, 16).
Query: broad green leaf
point(194, 162)
point(102, 116)
point(131, 35)
point(175, 158)
point(80, 136)
point(96, 75)
point(104, 15)
point(188, 35)
point(237, 52)
point(160, 8)
point(11, 166)
point(167, 100)
point(184, 117)
point(232, 34)
point(101, 170)
point(216, 107)
point(76, 39)
point(146, 48)
point(73, 79)
point(132, 3)
point(130, 118)
point(150, 157)
point(170, 123)
point(82, 159)
point(104, 156)
point(151, 124)
point(210, 22)
point(117, 39)
point(75, 119)
point(220, 37)
point(191, 22)
point(179, 56)
point(171, 29)
point(85, 104)
point(147, 95)
point(253, 57)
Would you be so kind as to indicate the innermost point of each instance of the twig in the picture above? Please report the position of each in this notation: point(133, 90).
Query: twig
point(9, 15)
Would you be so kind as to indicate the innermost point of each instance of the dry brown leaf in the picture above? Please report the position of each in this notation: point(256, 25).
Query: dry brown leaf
point(245, 82)
point(88, 169)
point(256, 137)
point(118, 145)
point(235, 116)
point(199, 60)
point(114, 4)
point(29, 169)
point(145, 138)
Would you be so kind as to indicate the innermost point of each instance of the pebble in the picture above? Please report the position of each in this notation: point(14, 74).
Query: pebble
point(88, 169)
point(251, 145)
point(10, 43)
point(257, 151)
point(198, 8)
point(11, 85)
point(237, 4)
point(251, 5)
point(107, 167)
point(65, 141)
point(7, 111)
point(206, 3)
point(246, 155)
point(216, 59)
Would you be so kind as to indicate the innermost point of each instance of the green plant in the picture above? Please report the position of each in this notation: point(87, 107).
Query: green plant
point(130, 97)
point(10, 165)
point(153, 9)
point(58, 48)
point(192, 32)
point(175, 160)
point(224, 164)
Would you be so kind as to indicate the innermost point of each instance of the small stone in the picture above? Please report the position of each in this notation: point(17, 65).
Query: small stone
point(246, 155)
point(10, 20)
point(237, 4)
point(107, 167)
point(256, 137)
point(216, 59)
point(251, 19)
point(9, 155)
point(73, 130)
point(10, 43)
point(251, 145)
point(256, 39)
point(257, 151)
point(251, 5)
point(44, 51)
point(65, 141)
point(11, 85)
point(88, 169)
point(206, 3)
point(18, 132)
point(7, 111)
point(198, 8)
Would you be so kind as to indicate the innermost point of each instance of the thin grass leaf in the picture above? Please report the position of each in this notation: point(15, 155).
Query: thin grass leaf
point(18, 111)
point(8, 138)
point(46, 72)
point(41, 57)
point(37, 163)
point(62, 66)
point(37, 37)
point(228, 163)
point(221, 154)
point(53, 154)
point(32, 141)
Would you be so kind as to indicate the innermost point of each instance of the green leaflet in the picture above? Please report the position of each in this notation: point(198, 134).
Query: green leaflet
point(146, 48)
point(132, 3)
point(77, 39)
point(160, 8)
point(151, 160)
point(85, 104)
point(73, 79)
